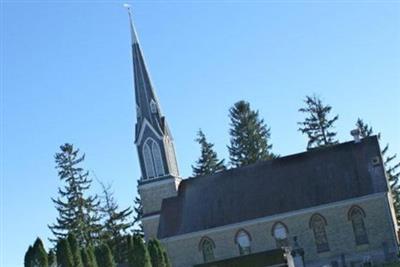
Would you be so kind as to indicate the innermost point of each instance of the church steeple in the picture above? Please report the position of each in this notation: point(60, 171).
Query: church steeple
point(152, 136)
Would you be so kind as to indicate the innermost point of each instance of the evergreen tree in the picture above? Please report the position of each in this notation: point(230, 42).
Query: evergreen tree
point(250, 136)
point(92, 257)
point(104, 256)
point(51, 256)
point(88, 257)
point(86, 261)
point(392, 167)
point(116, 224)
point(64, 255)
point(138, 254)
point(156, 252)
point(75, 250)
point(208, 162)
point(166, 259)
point(137, 219)
point(317, 126)
point(365, 129)
point(77, 213)
point(28, 260)
point(39, 255)
point(131, 253)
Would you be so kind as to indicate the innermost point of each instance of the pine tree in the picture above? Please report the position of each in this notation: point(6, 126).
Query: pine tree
point(116, 224)
point(75, 250)
point(250, 136)
point(104, 256)
point(138, 255)
point(28, 260)
point(64, 255)
point(51, 256)
point(137, 219)
point(391, 167)
point(208, 162)
point(77, 213)
point(39, 254)
point(317, 126)
point(156, 252)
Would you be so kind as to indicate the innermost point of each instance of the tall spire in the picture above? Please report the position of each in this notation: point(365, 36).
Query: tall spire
point(133, 30)
point(147, 105)
point(152, 136)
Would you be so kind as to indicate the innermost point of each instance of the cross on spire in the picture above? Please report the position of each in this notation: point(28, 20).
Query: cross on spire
point(132, 25)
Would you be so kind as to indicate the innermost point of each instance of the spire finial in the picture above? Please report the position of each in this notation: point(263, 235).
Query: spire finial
point(134, 37)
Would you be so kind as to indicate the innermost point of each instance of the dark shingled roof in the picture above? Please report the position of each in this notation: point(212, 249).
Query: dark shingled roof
point(294, 182)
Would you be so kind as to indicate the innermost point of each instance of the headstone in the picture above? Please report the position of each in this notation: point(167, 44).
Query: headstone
point(294, 256)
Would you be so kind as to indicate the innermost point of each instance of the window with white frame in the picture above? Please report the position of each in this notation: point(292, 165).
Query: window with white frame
point(280, 234)
point(243, 241)
point(152, 159)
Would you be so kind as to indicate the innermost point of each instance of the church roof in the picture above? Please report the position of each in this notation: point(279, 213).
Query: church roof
point(285, 184)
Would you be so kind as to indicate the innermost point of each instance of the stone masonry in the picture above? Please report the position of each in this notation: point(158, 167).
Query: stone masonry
point(184, 250)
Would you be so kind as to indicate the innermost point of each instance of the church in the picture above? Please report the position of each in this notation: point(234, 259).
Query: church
point(332, 206)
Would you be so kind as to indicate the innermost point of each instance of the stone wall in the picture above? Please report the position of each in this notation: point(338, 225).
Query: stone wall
point(152, 195)
point(184, 250)
point(150, 226)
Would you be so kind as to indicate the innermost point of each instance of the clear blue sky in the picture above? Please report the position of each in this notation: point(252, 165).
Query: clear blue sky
point(67, 77)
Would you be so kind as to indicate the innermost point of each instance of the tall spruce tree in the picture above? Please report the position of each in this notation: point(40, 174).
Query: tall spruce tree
point(39, 254)
point(137, 219)
point(208, 162)
point(317, 125)
point(365, 129)
point(63, 253)
point(104, 256)
point(250, 136)
point(77, 213)
point(75, 250)
point(138, 255)
point(116, 224)
point(392, 167)
point(51, 256)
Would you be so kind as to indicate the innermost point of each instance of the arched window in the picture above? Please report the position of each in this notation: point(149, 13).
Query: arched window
point(157, 159)
point(152, 159)
point(242, 239)
point(207, 248)
point(148, 161)
point(280, 233)
point(317, 224)
point(357, 215)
